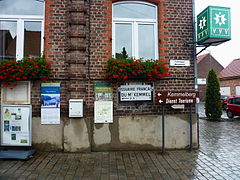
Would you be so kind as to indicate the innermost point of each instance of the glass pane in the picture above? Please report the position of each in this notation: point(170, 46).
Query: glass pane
point(32, 39)
point(134, 10)
point(146, 41)
point(123, 37)
point(22, 7)
point(8, 38)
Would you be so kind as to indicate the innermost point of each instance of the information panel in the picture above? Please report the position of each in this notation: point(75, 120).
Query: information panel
point(50, 108)
point(103, 104)
point(16, 127)
point(103, 111)
point(135, 92)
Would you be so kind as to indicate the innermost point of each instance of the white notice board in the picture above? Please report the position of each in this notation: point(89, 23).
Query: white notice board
point(16, 126)
point(103, 112)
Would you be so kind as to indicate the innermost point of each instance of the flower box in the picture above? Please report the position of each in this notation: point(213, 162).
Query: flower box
point(127, 69)
point(12, 71)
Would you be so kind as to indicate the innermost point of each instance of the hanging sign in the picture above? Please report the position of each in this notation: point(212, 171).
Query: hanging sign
point(50, 108)
point(16, 127)
point(135, 92)
point(214, 25)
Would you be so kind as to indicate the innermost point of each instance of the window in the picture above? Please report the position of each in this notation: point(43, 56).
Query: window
point(21, 27)
point(135, 29)
point(234, 101)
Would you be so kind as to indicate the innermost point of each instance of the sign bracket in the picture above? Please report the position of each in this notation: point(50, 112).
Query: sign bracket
point(205, 46)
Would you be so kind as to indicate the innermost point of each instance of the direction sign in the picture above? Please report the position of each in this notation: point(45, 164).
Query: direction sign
point(176, 97)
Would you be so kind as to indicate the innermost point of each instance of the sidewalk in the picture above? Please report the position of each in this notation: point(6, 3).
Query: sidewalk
point(217, 158)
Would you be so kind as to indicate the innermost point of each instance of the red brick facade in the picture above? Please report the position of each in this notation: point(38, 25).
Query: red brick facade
point(78, 43)
point(232, 83)
point(206, 62)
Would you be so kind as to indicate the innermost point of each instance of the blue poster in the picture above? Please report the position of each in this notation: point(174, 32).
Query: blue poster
point(50, 103)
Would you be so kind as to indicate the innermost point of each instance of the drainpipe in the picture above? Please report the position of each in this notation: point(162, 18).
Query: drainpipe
point(195, 68)
point(194, 46)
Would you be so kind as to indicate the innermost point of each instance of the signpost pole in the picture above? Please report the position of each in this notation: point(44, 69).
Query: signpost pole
point(190, 123)
point(163, 130)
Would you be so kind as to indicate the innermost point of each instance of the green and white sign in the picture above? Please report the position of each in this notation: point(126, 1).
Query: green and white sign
point(214, 25)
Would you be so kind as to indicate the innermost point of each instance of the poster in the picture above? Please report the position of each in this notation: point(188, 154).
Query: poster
point(103, 91)
point(103, 104)
point(16, 125)
point(103, 111)
point(50, 103)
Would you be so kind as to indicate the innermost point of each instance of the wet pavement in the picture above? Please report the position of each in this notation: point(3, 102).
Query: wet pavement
point(217, 158)
point(201, 112)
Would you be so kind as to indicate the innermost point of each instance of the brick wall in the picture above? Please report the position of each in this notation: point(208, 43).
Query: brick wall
point(232, 83)
point(175, 28)
point(66, 46)
point(208, 63)
point(204, 66)
point(78, 43)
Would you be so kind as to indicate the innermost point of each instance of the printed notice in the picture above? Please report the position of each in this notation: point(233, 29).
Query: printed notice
point(103, 111)
point(50, 108)
point(15, 126)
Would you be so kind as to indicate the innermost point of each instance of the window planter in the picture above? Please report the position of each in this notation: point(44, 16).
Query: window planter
point(12, 71)
point(127, 69)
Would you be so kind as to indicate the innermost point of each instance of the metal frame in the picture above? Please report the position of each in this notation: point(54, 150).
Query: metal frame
point(29, 125)
point(5, 90)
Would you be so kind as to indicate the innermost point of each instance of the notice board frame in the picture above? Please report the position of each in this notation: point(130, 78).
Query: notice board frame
point(29, 107)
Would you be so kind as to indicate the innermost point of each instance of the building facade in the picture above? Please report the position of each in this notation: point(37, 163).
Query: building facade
point(229, 79)
point(78, 37)
point(205, 63)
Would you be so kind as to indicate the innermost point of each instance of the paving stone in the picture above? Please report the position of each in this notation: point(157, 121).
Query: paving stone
point(217, 158)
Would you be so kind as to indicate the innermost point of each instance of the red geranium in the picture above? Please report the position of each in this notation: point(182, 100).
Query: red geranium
point(25, 69)
point(123, 69)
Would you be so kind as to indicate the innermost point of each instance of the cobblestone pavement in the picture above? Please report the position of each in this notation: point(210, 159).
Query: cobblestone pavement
point(217, 158)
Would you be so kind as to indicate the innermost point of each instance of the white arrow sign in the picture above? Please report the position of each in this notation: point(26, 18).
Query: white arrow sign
point(160, 101)
point(159, 94)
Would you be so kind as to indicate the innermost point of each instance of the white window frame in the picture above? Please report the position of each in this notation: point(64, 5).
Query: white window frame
point(135, 22)
point(20, 19)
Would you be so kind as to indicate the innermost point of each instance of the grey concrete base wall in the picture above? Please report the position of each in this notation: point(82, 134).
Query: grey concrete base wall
point(145, 133)
point(125, 133)
point(47, 137)
point(77, 135)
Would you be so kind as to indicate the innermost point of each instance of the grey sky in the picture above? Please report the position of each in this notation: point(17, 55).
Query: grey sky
point(29, 7)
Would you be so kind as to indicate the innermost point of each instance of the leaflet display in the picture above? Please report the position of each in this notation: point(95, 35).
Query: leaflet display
point(16, 125)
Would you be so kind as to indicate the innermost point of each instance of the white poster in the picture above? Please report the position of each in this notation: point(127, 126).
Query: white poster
point(135, 92)
point(50, 108)
point(103, 111)
point(16, 125)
